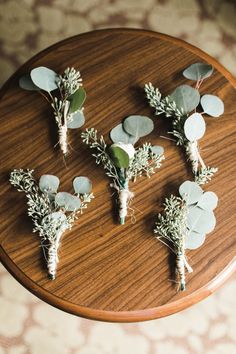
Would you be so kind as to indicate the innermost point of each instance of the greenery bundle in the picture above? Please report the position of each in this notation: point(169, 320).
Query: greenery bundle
point(186, 221)
point(121, 160)
point(188, 125)
point(52, 212)
point(67, 99)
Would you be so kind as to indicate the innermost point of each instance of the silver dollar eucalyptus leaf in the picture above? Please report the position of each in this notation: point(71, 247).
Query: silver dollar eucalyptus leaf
point(138, 126)
point(119, 135)
point(58, 216)
point(82, 185)
point(191, 192)
point(158, 150)
point(194, 240)
point(44, 78)
point(208, 201)
point(212, 105)
point(58, 221)
point(201, 221)
point(194, 127)
point(26, 83)
point(186, 97)
point(198, 71)
point(77, 120)
point(67, 201)
point(49, 183)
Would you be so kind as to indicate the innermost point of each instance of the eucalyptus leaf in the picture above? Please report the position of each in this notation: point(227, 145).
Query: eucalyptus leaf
point(208, 201)
point(191, 192)
point(68, 201)
point(193, 240)
point(49, 184)
point(77, 100)
point(119, 156)
point(44, 78)
point(119, 135)
point(58, 220)
point(26, 83)
point(77, 120)
point(198, 71)
point(82, 185)
point(138, 126)
point(58, 216)
point(199, 220)
point(194, 127)
point(186, 97)
point(158, 150)
point(212, 105)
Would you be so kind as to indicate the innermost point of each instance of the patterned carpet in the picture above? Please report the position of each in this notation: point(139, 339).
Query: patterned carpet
point(29, 326)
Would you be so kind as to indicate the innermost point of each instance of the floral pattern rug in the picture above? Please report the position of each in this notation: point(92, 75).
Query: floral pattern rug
point(30, 326)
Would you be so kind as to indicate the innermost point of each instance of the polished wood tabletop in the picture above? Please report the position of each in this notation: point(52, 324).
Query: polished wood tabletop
point(108, 271)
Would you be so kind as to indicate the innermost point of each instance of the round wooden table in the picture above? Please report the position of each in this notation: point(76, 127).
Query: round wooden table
point(108, 271)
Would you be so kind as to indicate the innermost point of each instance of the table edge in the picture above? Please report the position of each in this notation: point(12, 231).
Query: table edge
point(119, 316)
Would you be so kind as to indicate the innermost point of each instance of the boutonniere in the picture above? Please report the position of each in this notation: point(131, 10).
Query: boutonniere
point(52, 212)
point(186, 220)
point(185, 107)
point(64, 93)
point(123, 161)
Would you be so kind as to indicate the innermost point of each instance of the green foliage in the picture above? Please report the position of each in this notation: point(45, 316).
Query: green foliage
point(138, 126)
point(49, 184)
point(198, 71)
point(194, 127)
point(77, 100)
point(119, 135)
point(212, 105)
point(69, 82)
point(26, 83)
point(144, 162)
point(205, 175)
point(76, 120)
point(67, 201)
point(119, 156)
point(191, 192)
point(44, 78)
point(82, 185)
point(186, 98)
point(169, 108)
point(172, 225)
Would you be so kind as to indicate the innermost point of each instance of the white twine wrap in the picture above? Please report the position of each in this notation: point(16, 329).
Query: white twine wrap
point(52, 258)
point(63, 139)
point(124, 197)
point(63, 130)
point(194, 156)
point(192, 150)
point(181, 264)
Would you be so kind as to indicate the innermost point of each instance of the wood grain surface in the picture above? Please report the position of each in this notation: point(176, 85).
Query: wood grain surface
point(109, 271)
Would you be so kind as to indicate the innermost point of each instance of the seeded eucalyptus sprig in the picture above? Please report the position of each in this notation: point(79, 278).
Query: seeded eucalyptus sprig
point(52, 212)
point(66, 100)
point(121, 161)
point(185, 222)
point(188, 126)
